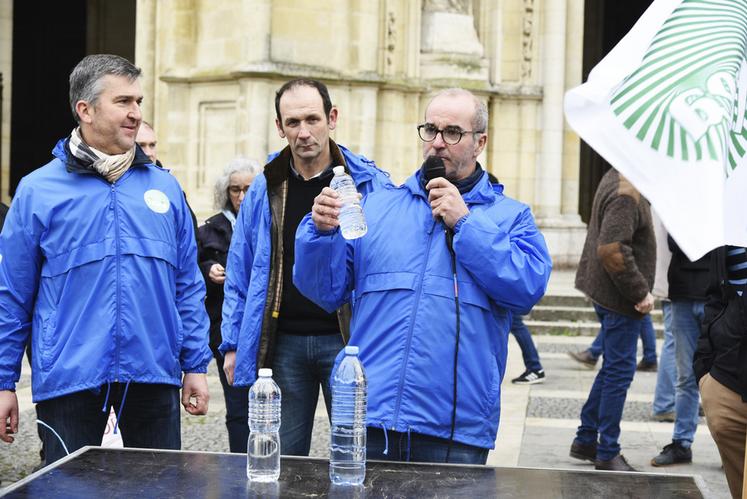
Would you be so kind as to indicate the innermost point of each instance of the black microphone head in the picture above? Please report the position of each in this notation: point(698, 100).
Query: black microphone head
point(433, 167)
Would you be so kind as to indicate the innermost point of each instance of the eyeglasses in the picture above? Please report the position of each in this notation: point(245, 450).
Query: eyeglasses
point(236, 190)
point(451, 134)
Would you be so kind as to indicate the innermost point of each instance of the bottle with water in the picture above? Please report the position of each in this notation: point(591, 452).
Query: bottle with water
point(347, 450)
point(352, 221)
point(263, 446)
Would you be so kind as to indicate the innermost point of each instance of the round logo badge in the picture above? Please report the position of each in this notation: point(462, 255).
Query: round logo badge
point(156, 200)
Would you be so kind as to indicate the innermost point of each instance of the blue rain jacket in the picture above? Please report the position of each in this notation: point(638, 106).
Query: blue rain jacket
point(404, 313)
point(103, 277)
point(246, 306)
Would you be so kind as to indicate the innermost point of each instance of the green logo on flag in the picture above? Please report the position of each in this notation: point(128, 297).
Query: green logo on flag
point(687, 99)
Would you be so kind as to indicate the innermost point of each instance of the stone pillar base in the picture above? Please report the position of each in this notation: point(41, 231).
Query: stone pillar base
point(565, 236)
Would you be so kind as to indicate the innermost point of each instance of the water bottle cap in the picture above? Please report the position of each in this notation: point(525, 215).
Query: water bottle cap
point(265, 372)
point(351, 350)
point(339, 170)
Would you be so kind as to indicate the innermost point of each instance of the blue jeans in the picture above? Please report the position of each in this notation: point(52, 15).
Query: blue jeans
point(524, 339)
point(687, 315)
point(666, 377)
point(149, 419)
point(602, 412)
point(300, 365)
point(648, 339)
point(237, 407)
point(420, 448)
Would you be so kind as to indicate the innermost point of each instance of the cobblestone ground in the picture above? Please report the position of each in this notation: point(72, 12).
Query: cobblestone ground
point(199, 433)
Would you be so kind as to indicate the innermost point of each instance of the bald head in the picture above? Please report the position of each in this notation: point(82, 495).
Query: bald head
point(146, 139)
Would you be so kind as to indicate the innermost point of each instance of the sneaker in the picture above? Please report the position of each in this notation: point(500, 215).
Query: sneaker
point(646, 367)
point(584, 357)
point(664, 417)
point(584, 452)
point(530, 377)
point(673, 453)
point(617, 463)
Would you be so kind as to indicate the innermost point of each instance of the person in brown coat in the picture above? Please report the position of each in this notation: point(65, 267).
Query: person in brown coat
point(616, 272)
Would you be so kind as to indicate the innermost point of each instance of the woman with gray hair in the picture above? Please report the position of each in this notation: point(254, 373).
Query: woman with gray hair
point(213, 240)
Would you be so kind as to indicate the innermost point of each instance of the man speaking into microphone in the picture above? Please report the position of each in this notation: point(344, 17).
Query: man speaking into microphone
point(447, 259)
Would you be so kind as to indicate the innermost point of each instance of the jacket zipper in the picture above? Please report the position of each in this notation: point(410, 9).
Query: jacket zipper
point(117, 334)
point(412, 326)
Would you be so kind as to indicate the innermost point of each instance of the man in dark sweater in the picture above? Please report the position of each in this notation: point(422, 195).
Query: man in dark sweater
point(617, 272)
point(721, 360)
point(266, 321)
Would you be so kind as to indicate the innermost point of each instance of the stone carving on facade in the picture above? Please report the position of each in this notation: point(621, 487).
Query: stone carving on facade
point(455, 6)
point(449, 43)
point(527, 40)
point(391, 41)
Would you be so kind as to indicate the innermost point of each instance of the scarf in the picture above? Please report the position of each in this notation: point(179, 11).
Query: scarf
point(230, 216)
point(109, 166)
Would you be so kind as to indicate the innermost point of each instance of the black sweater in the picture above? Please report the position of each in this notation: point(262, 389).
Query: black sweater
point(298, 314)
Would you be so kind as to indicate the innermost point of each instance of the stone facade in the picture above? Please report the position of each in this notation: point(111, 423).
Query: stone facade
point(211, 70)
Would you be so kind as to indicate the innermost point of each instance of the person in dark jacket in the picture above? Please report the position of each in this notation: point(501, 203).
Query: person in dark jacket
point(213, 240)
point(687, 291)
point(616, 272)
point(721, 360)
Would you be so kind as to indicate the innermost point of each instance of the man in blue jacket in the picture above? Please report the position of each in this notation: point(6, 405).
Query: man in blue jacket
point(98, 264)
point(266, 321)
point(432, 325)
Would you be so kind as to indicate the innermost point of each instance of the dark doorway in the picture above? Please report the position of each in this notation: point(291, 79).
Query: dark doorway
point(49, 39)
point(605, 23)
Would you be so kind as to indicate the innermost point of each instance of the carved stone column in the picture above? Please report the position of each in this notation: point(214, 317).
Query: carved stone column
point(448, 44)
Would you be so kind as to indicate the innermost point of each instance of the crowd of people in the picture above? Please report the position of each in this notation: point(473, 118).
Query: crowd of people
point(122, 301)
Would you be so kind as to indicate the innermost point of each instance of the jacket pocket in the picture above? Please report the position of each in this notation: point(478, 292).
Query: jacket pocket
point(47, 351)
point(494, 389)
point(469, 292)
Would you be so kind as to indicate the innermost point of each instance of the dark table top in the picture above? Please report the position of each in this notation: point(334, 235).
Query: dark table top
point(138, 473)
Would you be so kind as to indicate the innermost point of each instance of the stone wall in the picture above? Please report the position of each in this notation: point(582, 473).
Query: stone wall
point(211, 70)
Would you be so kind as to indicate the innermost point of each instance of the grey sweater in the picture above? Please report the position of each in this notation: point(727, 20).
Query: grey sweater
point(618, 262)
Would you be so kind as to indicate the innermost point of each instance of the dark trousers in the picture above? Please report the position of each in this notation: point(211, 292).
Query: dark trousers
point(419, 448)
point(237, 407)
point(149, 419)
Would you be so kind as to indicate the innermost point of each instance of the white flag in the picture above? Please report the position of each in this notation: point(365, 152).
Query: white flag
point(666, 108)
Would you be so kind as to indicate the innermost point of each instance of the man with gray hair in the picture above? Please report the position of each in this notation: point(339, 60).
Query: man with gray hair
point(446, 262)
point(98, 266)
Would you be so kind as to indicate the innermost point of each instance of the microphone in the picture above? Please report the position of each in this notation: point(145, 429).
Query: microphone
point(433, 167)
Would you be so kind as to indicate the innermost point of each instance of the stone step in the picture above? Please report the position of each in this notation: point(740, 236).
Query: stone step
point(570, 300)
point(573, 313)
point(573, 328)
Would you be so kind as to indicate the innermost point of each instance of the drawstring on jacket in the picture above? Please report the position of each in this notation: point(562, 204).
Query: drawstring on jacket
point(386, 441)
point(408, 445)
point(121, 406)
point(106, 400)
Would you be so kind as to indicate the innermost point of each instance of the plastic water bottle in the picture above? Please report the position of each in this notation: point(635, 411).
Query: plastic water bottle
point(263, 446)
point(352, 221)
point(347, 450)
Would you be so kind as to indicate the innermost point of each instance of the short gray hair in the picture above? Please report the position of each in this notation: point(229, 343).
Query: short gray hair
point(86, 76)
point(480, 119)
point(236, 165)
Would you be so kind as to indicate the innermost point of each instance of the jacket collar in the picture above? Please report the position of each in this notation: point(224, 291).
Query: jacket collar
point(62, 152)
point(483, 192)
point(277, 171)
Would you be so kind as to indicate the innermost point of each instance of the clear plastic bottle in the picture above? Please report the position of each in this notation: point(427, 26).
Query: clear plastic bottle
point(263, 446)
point(352, 220)
point(347, 450)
